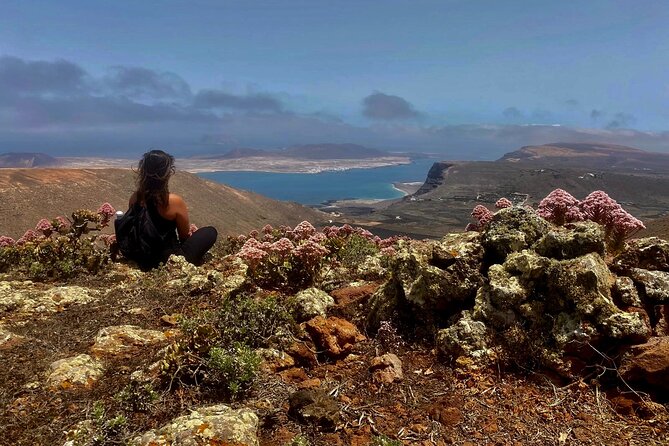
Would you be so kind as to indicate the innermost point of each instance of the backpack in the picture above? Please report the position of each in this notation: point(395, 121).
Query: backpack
point(138, 238)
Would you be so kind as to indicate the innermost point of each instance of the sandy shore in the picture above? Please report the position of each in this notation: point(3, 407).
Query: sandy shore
point(249, 164)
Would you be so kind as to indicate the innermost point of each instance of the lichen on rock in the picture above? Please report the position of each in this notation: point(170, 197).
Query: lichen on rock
point(218, 424)
point(81, 371)
point(310, 303)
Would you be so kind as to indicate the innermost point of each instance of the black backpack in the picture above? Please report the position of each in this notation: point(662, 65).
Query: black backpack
point(138, 238)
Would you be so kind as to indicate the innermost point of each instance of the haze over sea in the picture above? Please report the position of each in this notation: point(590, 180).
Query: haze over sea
point(317, 188)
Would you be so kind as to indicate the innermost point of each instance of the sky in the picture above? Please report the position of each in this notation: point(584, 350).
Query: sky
point(463, 78)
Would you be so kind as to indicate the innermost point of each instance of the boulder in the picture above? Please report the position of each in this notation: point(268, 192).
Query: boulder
point(25, 297)
point(309, 303)
point(386, 369)
point(125, 339)
point(649, 253)
point(511, 230)
point(385, 304)
point(466, 337)
point(654, 285)
point(333, 336)
point(628, 327)
point(571, 241)
point(583, 284)
point(648, 363)
point(625, 292)
point(316, 407)
point(218, 424)
point(435, 275)
point(528, 265)
point(77, 372)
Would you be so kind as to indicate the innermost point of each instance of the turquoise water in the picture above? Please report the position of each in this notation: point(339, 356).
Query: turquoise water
point(317, 188)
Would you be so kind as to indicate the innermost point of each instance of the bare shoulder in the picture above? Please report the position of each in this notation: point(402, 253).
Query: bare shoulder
point(176, 200)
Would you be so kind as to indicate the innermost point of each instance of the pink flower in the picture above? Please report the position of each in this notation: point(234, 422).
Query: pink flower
point(318, 237)
point(108, 239)
point(599, 207)
point(192, 229)
point(482, 215)
point(560, 207)
point(241, 238)
point(29, 236)
point(310, 253)
point(106, 212)
point(346, 230)
point(252, 256)
point(6, 241)
point(253, 234)
point(503, 203)
point(388, 251)
point(267, 229)
point(304, 230)
point(62, 223)
point(44, 226)
point(282, 247)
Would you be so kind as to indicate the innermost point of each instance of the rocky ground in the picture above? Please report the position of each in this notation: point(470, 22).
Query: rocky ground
point(522, 334)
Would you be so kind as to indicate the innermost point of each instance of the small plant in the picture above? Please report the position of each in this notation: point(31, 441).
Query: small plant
point(382, 440)
point(235, 368)
point(137, 397)
point(298, 440)
point(100, 429)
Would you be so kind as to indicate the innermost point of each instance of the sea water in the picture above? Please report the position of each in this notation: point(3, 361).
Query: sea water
point(319, 188)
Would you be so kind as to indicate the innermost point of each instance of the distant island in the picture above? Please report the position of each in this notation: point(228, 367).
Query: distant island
point(310, 158)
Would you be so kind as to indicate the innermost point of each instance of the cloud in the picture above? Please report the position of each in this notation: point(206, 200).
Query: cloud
point(387, 107)
point(621, 120)
point(57, 77)
point(220, 99)
point(512, 113)
point(596, 114)
point(138, 82)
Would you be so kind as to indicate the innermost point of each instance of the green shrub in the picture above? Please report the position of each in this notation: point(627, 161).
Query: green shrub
point(137, 397)
point(354, 250)
point(382, 440)
point(101, 429)
point(234, 368)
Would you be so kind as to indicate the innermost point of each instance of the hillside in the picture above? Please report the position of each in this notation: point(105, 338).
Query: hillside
point(637, 179)
point(524, 333)
point(27, 159)
point(596, 156)
point(324, 151)
point(27, 195)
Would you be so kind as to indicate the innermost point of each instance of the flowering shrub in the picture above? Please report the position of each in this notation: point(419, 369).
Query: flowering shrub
point(285, 257)
point(6, 241)
point(57, 249)
point(503, 203)
point(482, 215)
point(106, 212)
point(560, 207)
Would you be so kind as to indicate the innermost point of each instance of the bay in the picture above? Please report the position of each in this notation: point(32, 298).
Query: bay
point(318, 188)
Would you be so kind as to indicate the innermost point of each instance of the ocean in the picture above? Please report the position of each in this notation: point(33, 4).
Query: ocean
point(319, 188)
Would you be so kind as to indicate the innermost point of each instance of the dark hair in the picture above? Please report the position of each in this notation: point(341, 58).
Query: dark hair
point(153, 175)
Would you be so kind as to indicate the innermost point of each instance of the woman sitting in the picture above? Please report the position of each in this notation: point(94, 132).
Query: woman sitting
point(167, 213)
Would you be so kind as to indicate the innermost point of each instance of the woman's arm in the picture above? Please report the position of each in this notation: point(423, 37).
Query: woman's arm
point(177, 207)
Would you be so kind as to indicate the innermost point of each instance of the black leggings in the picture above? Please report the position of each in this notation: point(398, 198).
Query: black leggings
point(197, 245)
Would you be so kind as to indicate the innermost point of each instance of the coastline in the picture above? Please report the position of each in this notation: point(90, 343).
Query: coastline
point(249, 164)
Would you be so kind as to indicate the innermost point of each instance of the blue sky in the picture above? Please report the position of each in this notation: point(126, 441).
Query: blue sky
point(464, 78)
